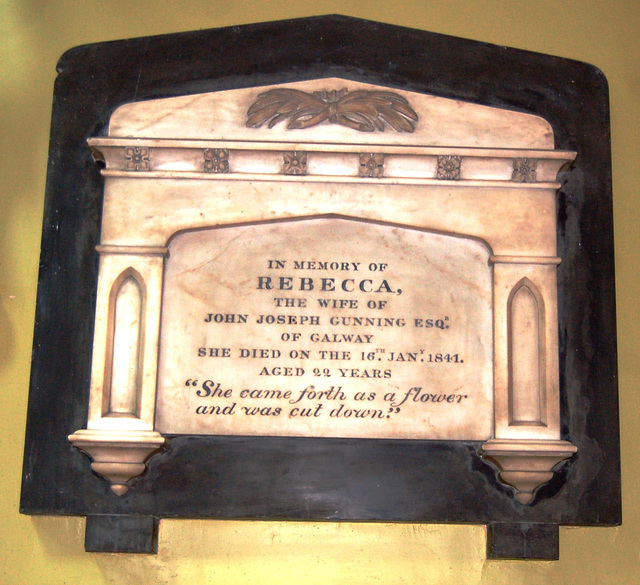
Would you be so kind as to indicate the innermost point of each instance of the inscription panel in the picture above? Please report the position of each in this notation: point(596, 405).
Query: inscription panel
point(326, 327)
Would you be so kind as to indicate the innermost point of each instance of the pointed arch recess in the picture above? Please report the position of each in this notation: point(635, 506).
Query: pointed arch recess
point(125, 346)
point(527, 355)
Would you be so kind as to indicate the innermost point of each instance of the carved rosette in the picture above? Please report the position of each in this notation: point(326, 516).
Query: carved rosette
point(216, 160)
point(524, 170)
point(449, 167)
point(371, 165)
point(295, 163)
point(137, 158)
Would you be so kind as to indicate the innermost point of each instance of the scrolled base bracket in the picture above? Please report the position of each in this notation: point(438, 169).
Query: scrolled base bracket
point(526, 464)
point(118, 455)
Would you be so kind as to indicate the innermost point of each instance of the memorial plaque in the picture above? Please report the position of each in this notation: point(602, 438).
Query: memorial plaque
point(326, 327)
point(324, 288)
point(375, 288)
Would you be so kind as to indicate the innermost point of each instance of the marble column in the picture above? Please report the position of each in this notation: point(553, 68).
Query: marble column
point(120, 431)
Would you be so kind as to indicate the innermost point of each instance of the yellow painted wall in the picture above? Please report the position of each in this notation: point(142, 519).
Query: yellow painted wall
point(33, 34)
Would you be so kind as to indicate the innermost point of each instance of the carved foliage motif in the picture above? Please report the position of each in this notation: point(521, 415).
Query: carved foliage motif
point(361, 110)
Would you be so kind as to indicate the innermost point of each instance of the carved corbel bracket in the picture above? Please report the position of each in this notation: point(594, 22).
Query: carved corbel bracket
point(526, 464)
point(118, 455)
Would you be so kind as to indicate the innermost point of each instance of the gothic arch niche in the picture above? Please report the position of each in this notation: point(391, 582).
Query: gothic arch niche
point(123, 370)
point(527, 355)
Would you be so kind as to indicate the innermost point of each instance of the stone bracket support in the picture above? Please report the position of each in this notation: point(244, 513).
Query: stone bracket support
point(118, 455)
point(526, 464)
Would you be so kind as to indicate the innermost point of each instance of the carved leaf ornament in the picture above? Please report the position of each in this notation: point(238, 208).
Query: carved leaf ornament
point(361, 110)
